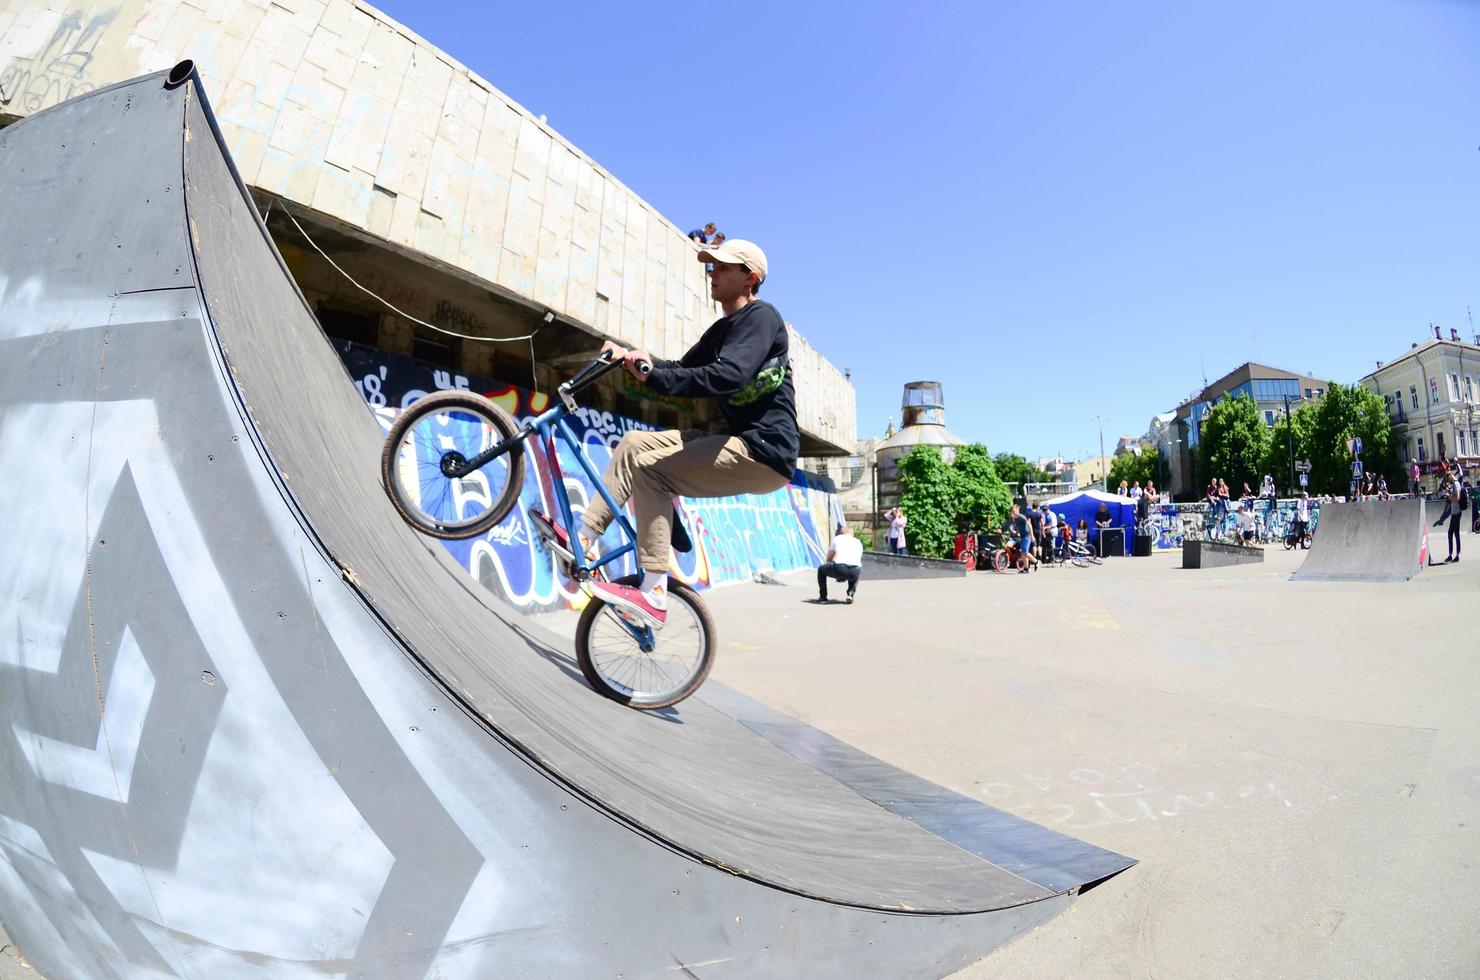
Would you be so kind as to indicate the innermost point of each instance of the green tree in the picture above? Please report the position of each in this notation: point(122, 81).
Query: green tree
point(1277, 454)
point(929, 501)
point(983, 500)
point(1014, 471)
point(1135, 467)
point(1345, 412)
point(942, 500)
point(1233, 444)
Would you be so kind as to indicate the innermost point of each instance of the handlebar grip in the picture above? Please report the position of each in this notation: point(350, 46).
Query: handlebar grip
point(644, 367)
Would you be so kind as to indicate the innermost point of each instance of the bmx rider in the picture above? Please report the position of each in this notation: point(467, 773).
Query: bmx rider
point(743, 361)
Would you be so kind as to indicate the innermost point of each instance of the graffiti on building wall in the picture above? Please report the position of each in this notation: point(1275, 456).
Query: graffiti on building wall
point(734, 537)
point(59, 70)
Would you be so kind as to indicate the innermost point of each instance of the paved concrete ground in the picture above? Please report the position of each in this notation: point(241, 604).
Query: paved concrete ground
point(1296, 765)
point(13, 965)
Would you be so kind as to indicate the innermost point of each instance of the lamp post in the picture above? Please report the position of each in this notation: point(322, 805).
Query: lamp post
point(1290, 438)
point(1104, 470)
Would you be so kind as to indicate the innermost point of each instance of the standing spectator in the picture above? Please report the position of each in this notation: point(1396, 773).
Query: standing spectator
point(1136, 491)
point(1122, 490)
point(1035, 523)
point(897, 523)
point(701, 236)
point(1143, 503)
point(718, 239)
point(1049, 524)
point(844, 563)
point(1454, 505)
point(1413, 478)
point(1302, 515)
point(1151, 495)
point(1382, 488)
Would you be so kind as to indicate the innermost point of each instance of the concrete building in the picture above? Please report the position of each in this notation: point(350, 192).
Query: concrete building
point(1268, 386)
point(469, 222)
point(1088, 473)
point(923, 409)
point(1431, 392)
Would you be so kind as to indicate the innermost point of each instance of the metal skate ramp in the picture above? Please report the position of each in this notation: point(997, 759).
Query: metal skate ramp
point(255, 726)
point(1367, 541)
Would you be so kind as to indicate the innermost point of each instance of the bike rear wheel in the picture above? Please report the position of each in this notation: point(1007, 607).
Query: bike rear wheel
point(436, 434)
point(677, 660)
point(1000, 560)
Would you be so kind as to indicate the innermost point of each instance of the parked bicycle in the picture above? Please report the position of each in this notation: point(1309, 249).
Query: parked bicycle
point(453, 466)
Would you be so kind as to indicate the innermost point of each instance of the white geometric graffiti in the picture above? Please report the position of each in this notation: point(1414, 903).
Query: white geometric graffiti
point(107, 768)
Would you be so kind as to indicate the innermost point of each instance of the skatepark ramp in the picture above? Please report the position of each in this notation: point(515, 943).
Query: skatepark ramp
point(253, 725)
point(1367, 541)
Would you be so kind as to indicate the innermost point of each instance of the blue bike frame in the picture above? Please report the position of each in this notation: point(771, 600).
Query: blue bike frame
point(548, 425)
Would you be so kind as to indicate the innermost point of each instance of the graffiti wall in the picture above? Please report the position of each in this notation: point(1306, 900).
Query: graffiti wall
point(1176, 523)
point(734, 537)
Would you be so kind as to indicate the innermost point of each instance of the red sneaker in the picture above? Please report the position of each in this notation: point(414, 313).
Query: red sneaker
point(629, 598)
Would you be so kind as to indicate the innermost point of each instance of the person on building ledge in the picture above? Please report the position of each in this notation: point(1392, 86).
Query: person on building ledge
point(743, 360)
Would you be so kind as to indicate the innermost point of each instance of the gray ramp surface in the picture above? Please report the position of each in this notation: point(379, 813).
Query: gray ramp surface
point(257, 726)
point(1367, 541)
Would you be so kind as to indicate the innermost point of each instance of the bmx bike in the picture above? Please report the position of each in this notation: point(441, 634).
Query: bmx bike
point(1081, 555)
point(1009, 555)
point(1291, 540)
point(453, 467)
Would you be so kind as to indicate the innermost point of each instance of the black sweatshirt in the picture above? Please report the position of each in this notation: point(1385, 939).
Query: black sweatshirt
point(723, 363)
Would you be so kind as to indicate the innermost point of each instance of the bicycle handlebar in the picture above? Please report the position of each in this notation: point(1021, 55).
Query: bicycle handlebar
point(603, 365)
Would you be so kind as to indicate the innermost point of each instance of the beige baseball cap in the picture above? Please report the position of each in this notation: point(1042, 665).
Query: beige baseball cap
point(737, 251)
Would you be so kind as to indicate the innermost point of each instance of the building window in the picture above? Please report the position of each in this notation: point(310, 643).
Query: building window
point(1413, 394)
point(1459, 437)
point(1269, 419)
point(1308, 393)
point(1404, 447)
point(1320, 392)
point(1454, 387)
point(1469, 390)
point(436, 349)
point(1439, 443)
point(348, 323)
point(1434, 391)
point(1421, 454)
point(1475, 441)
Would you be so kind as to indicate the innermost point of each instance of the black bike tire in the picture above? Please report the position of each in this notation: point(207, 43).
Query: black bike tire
point(678, 592)
point(443, 401)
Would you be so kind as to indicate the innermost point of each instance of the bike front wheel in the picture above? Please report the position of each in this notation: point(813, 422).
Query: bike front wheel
point(642, 668)
point(427, 444)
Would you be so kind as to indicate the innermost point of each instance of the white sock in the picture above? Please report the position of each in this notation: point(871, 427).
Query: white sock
point(655, 585)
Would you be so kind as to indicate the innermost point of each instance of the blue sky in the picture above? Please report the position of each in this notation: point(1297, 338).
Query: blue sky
point(1144, 193)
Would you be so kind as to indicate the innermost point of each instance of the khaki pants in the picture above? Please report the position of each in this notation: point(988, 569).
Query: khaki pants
point(652, 468)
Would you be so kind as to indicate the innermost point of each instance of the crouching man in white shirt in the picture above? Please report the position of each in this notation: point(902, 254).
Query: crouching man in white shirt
point(844, 563)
